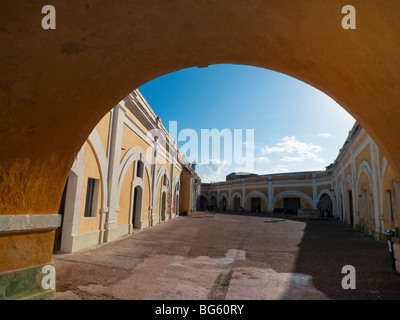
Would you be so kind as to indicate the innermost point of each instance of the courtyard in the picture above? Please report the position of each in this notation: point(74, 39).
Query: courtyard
point(228, 256)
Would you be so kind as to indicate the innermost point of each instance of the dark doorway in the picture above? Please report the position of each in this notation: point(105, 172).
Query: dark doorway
point(137, 207)
point(177, 204)
point(291, 205)
point(203, 203)
point(163, 205)
point(255, 204)
point(223, 204)
point(213, 202)
point(350, 196)
point(325, 205)
point(61, 209)
point(236, 204)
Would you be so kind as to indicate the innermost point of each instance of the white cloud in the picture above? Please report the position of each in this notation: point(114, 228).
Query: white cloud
point(325, 135)
point(215, 170)
point(261, 160)
point(281, 169)
point(293, 150)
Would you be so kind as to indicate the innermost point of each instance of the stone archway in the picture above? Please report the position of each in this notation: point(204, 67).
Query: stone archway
point(57, 84)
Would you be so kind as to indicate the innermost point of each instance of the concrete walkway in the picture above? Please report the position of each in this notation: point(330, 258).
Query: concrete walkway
point(230, 257)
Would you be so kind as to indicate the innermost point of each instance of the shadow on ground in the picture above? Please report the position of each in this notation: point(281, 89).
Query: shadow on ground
point(328, 245)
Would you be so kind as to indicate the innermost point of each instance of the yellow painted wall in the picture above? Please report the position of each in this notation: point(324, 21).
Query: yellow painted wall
point(186, 182)
point(305, 189)
point(262, 190)
point(131, 139)
point(347, 171)
point(126, 196)
point(364, 185)
point(22, 250)
point(135, 119)
point(323, 186)
point(388, 184)
point(103, 128)
point(247, 207)
point(361, 138)
point(146, 198)
point(304, 203)
point(162, 162)
point(158, 201)
point(365, 154)
point(88, 224)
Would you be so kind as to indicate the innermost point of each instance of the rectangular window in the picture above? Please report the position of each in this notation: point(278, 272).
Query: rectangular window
point(389, 210)
point(92, 195)
point(139, 170)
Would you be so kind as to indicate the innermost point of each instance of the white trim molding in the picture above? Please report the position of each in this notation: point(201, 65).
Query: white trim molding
point(29, 222)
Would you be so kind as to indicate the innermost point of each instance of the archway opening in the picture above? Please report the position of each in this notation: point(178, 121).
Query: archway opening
point(137, 206)
point(163, 206)
point(325, 205)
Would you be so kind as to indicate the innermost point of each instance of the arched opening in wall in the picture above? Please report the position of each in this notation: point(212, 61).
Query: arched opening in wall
point(213, 202)
point(366, 202)
point(255, 204)
point(177, 204)
point(203, 203)
point(163, 206)
point(241, 34)
point(348, 214)
point(340, 209)
point(291, 201)
point(285, 145)
point(236, 204)
point(391, 198)
point(325, 205)
point(137, 207)
point(224, 204)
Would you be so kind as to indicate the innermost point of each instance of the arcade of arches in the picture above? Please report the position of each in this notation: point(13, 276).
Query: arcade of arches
point(56, 85)
point(358, 188)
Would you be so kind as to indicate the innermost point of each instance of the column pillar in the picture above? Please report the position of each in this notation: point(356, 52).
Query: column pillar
point(117, 126)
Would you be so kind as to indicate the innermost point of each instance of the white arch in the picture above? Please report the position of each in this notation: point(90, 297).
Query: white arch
point(258, 193)
point(221, 196)
point(293, 192)
point(364, 167)
point(161, 172)
point(325, 191)
point(384, 166)
point(224, 194)
point(216, 198)
point(340, 187)
point(176, 182)
point(236, 194)
point(97, 147)
point(350, 181)
point(205, 196)
point(175, 193)
point(133, 154)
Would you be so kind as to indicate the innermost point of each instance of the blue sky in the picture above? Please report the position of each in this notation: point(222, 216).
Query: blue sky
point(296, 127)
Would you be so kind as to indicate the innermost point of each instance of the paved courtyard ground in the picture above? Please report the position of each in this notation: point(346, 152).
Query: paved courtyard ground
point(230, 257)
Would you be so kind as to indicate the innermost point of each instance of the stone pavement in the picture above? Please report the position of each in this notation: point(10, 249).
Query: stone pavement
point(230, 257)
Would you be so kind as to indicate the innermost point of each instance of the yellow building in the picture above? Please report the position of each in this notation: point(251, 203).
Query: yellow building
point(128, 175)
point(56, 84)
point(359, 188)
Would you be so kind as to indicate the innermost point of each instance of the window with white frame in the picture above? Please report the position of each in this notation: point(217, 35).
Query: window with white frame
point(92, 195)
